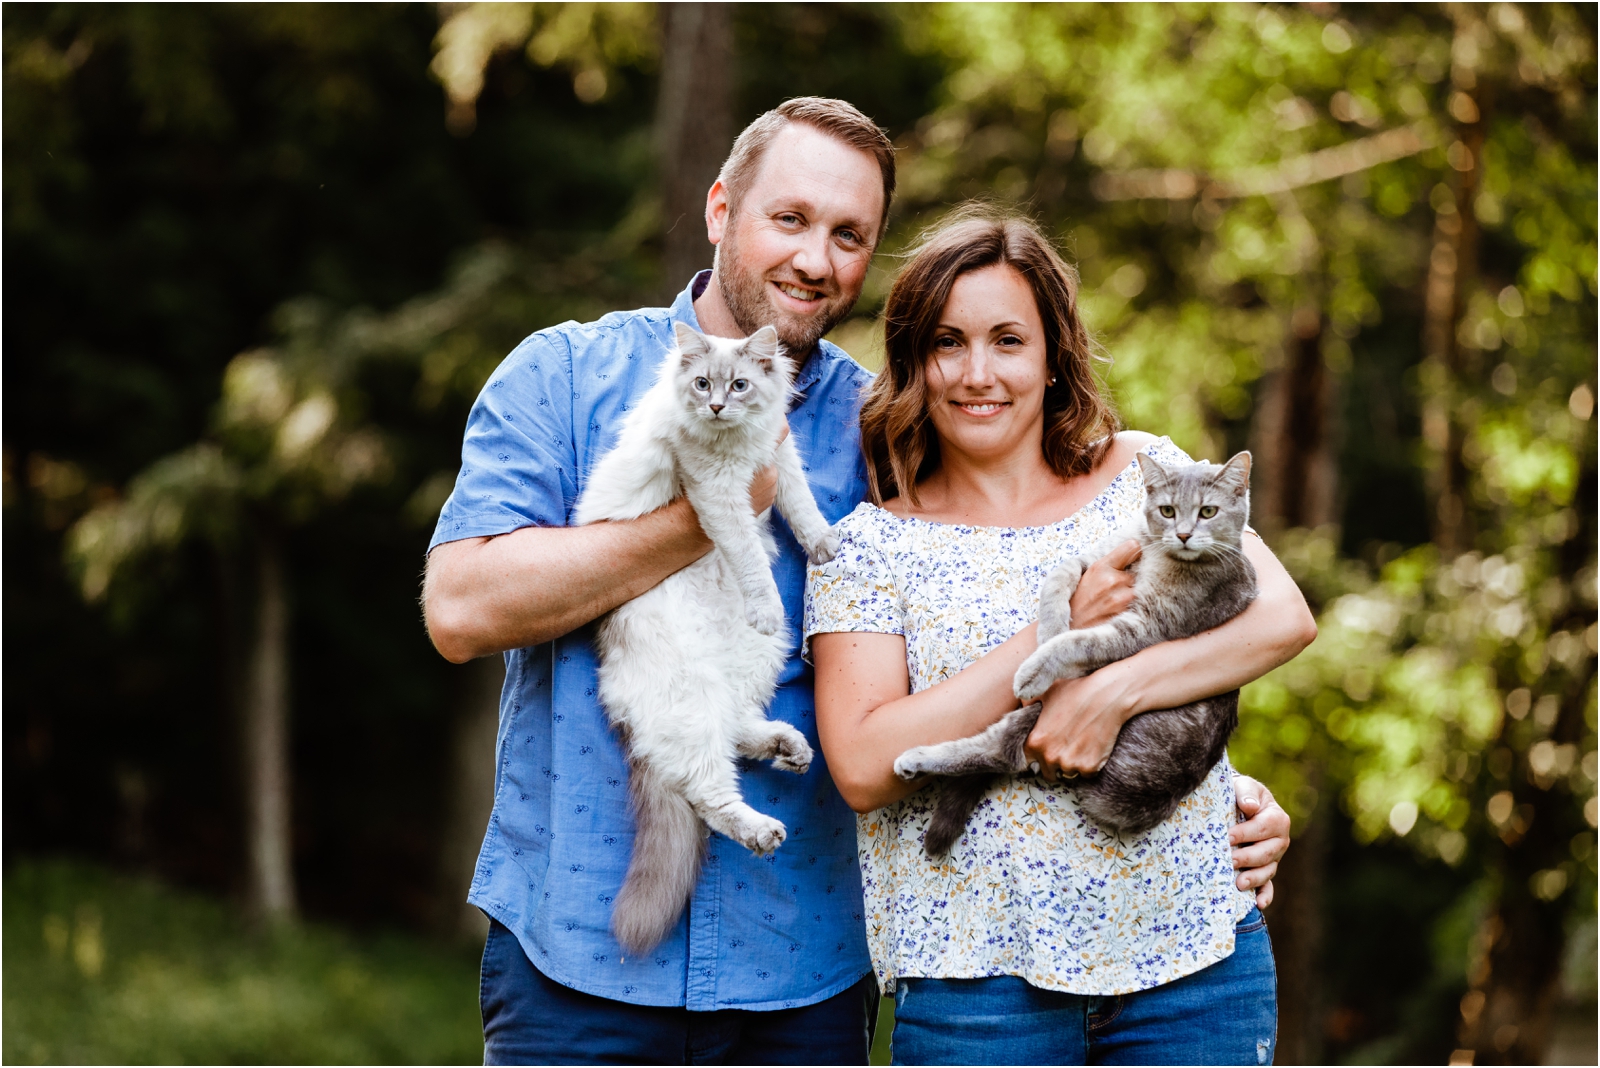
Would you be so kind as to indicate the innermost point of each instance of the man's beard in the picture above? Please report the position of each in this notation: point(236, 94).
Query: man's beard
point(748, 301)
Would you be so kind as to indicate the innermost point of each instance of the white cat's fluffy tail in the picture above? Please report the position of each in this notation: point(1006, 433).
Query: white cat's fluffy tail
point(667, 847)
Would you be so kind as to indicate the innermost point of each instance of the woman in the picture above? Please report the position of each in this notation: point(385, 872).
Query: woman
point(991, 456)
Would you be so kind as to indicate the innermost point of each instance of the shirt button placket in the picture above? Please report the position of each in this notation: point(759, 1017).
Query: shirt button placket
point(705, 908)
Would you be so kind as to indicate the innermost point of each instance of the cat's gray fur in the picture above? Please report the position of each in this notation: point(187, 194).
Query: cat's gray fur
point(1192, 576)
point(688, 668)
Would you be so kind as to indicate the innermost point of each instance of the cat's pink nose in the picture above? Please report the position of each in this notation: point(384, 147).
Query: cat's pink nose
point(1185, 537)
point(715, 408)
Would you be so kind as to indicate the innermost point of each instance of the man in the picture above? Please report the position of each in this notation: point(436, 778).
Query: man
point(769, 964)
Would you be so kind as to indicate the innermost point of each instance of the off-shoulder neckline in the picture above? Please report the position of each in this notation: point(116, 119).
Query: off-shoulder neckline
point(1066, 521)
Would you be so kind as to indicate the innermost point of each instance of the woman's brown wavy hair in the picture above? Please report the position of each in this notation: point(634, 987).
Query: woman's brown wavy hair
point(897, 436)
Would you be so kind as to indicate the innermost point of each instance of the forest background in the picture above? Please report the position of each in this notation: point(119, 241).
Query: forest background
point(260, 259)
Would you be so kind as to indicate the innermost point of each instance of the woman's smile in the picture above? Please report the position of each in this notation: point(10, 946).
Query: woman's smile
point(981, 409)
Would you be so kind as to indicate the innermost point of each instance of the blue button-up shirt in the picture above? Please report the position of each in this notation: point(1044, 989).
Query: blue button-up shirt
point(759, 933)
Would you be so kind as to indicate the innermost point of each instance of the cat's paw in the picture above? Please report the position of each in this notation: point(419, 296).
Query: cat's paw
point(1033, 678)
point(908, 765)
point(763, 834)
point(766, 616)
point(823, 549)
point(794, 753)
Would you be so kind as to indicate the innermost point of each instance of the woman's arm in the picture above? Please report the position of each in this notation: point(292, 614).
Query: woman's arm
point(1081, 717)
point(866, 715)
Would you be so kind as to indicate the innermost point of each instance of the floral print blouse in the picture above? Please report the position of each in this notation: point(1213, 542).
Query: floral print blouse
point(1033, 889)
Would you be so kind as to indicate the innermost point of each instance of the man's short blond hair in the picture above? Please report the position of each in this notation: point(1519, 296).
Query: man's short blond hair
point(839, 119)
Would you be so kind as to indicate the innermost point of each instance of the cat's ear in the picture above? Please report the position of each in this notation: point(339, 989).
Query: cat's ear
point(762, 346)
point(1235, 474)
point(1154, 473)
point(691, 342)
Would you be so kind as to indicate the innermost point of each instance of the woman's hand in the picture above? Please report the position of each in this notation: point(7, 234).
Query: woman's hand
point(1261, 840)
point(1079, 724)
point(1106, 588)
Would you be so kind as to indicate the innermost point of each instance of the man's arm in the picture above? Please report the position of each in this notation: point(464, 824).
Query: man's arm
point(487, 595)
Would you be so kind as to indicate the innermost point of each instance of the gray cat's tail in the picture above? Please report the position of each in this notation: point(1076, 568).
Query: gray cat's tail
point(668, 843)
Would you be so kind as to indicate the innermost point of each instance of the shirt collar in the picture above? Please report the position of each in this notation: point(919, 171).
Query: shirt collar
point(682, 311)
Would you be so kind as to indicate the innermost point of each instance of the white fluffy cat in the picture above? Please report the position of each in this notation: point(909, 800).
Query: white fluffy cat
point(688, 668)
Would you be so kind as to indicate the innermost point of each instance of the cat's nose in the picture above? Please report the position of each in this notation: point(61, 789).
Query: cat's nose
point(1185, 537)
point(715, 408)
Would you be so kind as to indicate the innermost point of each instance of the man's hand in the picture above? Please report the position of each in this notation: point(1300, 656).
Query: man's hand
point(1106, 588)
point(764, 487)
point(1261, 840)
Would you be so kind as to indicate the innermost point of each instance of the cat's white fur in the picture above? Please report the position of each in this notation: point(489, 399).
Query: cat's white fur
point(688, 668)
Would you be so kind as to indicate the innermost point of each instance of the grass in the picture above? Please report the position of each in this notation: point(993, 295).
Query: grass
point(105, 969)
point(880, 1039)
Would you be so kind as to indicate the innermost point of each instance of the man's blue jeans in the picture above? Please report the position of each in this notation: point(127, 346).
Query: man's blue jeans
point(1224, 1014)
point(529, 1018)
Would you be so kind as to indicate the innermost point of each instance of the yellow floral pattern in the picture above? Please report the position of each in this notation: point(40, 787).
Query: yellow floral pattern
point(1033, 889)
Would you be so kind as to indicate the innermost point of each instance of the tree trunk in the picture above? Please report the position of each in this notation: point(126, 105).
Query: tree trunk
point(1295, 438)
point(1508, 1015)
point(477, 723)
point(266, 731)
point(1452, 265)
point(694, 123)
point(1296, 442)
point(1295, 921)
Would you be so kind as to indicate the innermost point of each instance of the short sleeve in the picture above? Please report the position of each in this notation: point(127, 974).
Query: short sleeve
point(518, 462)
point(1164, 451)
point(855, 591)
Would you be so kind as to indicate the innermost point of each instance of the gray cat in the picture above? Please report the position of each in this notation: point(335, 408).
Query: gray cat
point(1192, 576)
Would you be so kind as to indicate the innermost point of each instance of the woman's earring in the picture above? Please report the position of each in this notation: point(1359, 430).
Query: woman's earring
point(1052, 381)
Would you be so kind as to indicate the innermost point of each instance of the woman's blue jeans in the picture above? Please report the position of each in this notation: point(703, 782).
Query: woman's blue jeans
point(1226, 1013)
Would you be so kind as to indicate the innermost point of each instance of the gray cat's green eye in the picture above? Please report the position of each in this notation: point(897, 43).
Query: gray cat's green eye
point(702, 384)
point(1167, 511)
point(1208, 511)
point(739, 385)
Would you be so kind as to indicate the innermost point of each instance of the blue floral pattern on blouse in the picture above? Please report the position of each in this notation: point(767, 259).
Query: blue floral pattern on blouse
point(1033, 889)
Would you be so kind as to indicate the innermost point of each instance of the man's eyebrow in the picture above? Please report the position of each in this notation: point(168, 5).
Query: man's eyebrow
point(780, 204)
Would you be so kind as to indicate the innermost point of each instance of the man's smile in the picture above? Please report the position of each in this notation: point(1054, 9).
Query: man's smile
point(794, 292)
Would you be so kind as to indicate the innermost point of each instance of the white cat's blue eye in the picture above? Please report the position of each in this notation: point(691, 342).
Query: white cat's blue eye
point(1208, 511)
point(702, 384)
point(739, 385)
point(1167, 511)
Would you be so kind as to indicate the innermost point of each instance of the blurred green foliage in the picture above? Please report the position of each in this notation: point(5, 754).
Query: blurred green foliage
point(246, 240)
point(105, 969)
point(250, 188)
